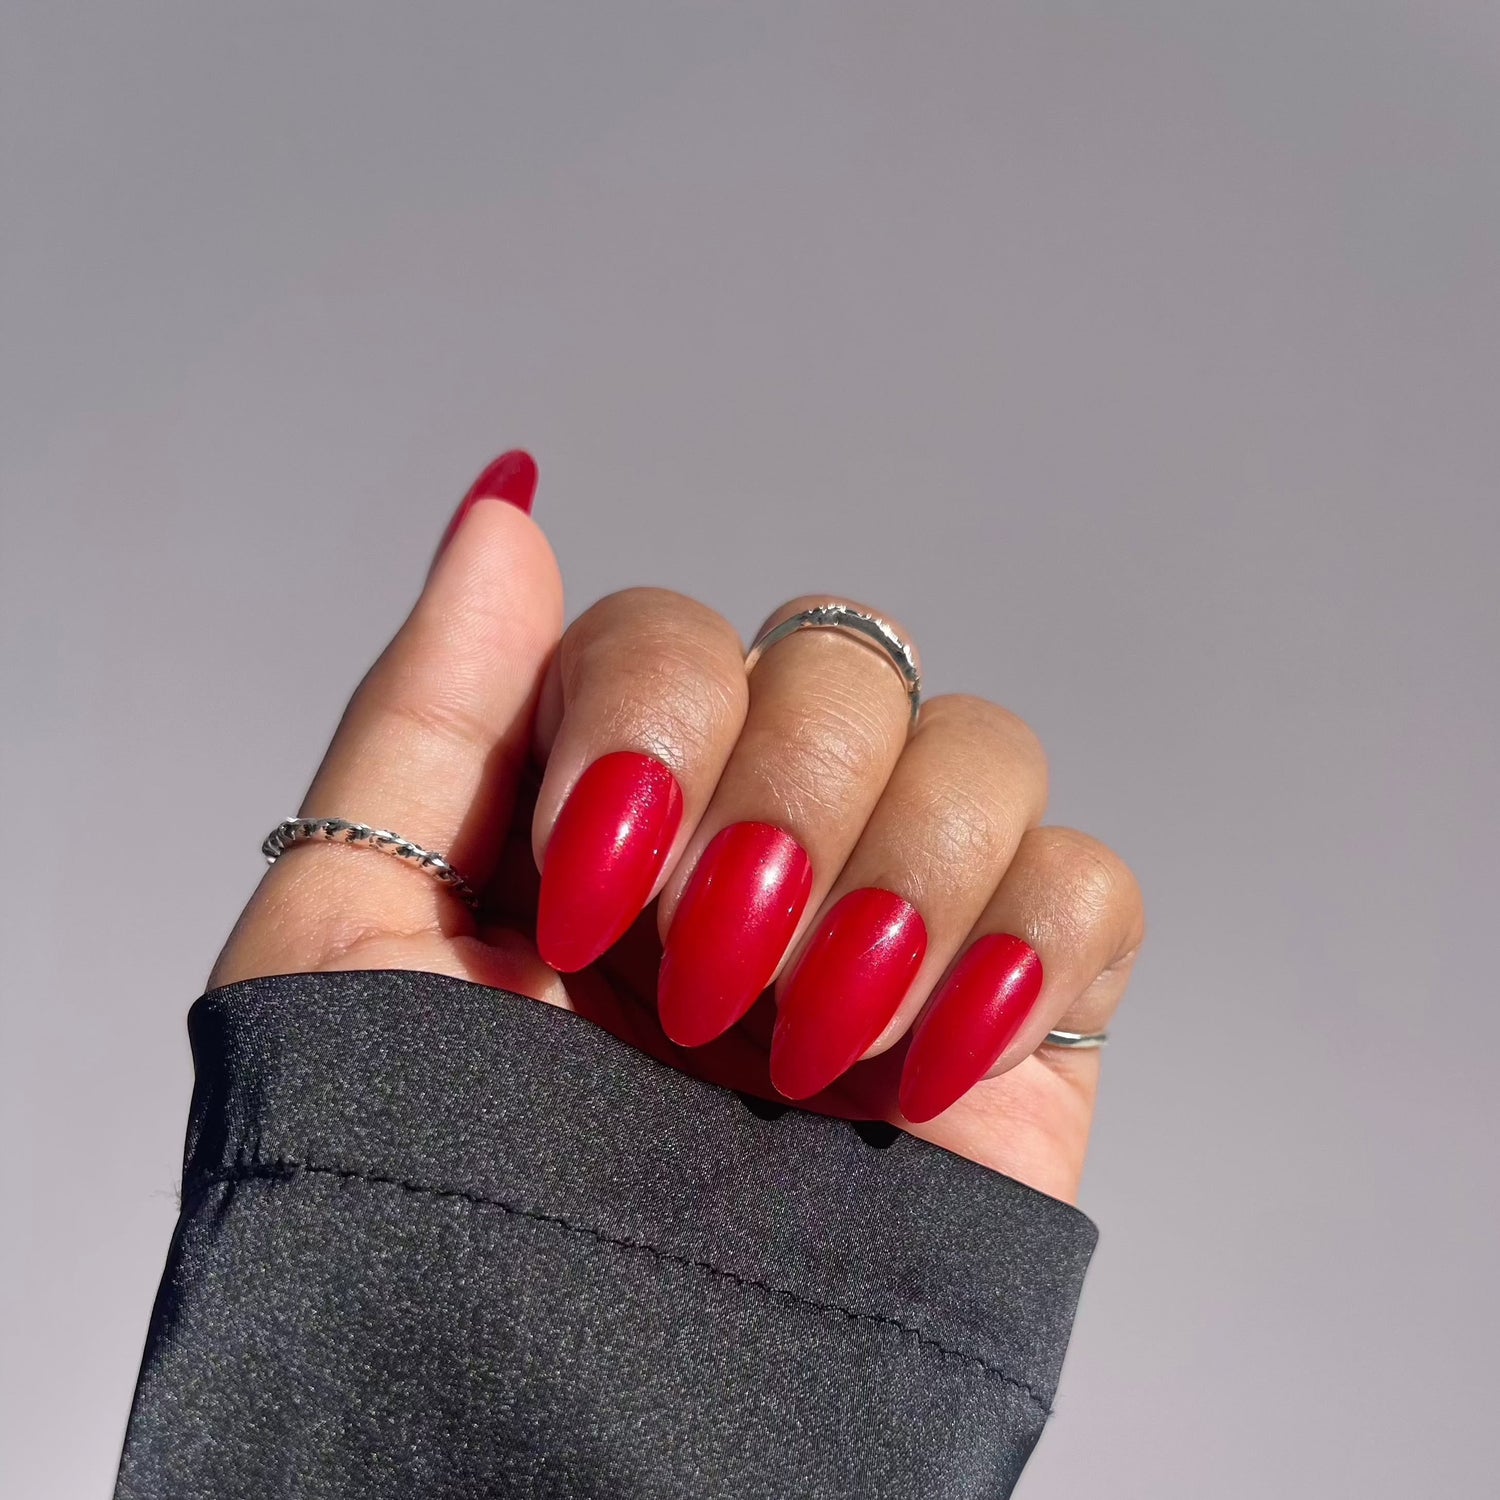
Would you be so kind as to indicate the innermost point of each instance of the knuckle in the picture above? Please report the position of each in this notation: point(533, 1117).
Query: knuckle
point(1084, 889)
point(431, 710)
point(659, 668)
point(992, 737)
point(984, 723)
point(814, 767)
point(652, 630)
point(674, 715)
point(636, 616)
point(964, 831)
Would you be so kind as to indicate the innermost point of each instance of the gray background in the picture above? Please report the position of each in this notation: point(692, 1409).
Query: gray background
point(1145, 358)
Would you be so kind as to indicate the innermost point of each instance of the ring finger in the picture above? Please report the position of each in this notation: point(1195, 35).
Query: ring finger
point(971, 782)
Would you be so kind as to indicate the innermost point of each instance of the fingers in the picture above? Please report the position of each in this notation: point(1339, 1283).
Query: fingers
point(800, 817)
point(1052, 950)
point(969, 784)
point(639, 716)
point(826, 724)
point(431, 744)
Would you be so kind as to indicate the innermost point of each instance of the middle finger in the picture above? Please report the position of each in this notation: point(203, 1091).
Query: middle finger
point(827, 723)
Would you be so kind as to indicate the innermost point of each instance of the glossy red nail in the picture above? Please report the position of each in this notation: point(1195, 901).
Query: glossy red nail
point(607, 847)
point(511, 477)
point(849, 982)
point(972, 1019)
point(731, 929)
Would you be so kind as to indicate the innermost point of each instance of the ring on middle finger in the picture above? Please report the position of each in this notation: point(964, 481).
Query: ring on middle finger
point(863, 626)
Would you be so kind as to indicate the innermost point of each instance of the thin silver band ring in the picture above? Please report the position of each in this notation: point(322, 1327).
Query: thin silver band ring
point(1077, 1041)
point(870, 629)
point(341, 831)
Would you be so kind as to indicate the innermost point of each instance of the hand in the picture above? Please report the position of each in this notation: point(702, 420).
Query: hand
point(922, 931)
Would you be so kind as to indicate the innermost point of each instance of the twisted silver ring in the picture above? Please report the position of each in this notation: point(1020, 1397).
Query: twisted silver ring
point(1078, 1041)
point(870, 629)
point(340, 831)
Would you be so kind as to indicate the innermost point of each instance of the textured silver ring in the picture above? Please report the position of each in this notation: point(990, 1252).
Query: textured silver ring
point(870, 629)
point(1078, 1041)
point(340, 831)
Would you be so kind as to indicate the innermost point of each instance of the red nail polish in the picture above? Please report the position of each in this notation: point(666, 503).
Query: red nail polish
point(849, 982)
point(731, 930)
point(973, 1018)
point(608, 846)
point(511, 477)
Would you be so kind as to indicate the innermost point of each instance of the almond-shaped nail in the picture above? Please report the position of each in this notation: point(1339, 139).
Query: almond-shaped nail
point(973, 1018)
point(607, 848)
point(512, 478)
point(731, 930)
point(848, 983)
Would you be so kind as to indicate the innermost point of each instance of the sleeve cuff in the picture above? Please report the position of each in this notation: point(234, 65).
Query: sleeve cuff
point(452, 1087)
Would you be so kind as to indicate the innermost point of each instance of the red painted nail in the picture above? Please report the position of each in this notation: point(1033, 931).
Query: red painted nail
point(847, 985)
point(973, 1018)
point(511, 477)
point(732, 929)
point(608, 846)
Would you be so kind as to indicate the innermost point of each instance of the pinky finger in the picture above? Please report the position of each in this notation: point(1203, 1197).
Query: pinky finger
point(1053, 950)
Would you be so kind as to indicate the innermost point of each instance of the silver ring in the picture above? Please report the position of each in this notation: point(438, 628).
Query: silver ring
point(1079, 1041)
point(870, 629)
point(340, 831)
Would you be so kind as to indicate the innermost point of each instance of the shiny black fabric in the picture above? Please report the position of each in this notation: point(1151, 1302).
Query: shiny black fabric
point(438, 1240)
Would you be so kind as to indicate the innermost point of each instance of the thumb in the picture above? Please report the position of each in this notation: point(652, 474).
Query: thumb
point(433, 743)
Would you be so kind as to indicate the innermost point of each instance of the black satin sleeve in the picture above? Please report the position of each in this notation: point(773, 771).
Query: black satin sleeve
point(439, 1240)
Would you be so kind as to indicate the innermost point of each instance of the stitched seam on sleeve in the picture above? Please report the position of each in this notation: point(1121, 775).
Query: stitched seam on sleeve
point(283, 1169)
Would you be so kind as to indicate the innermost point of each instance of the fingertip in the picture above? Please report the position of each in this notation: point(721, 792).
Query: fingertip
point(493, 601)
point(970, 1022)
point(608, 847)
point(511, 478)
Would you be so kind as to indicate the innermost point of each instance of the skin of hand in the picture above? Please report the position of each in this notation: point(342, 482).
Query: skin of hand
point(772, 882)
